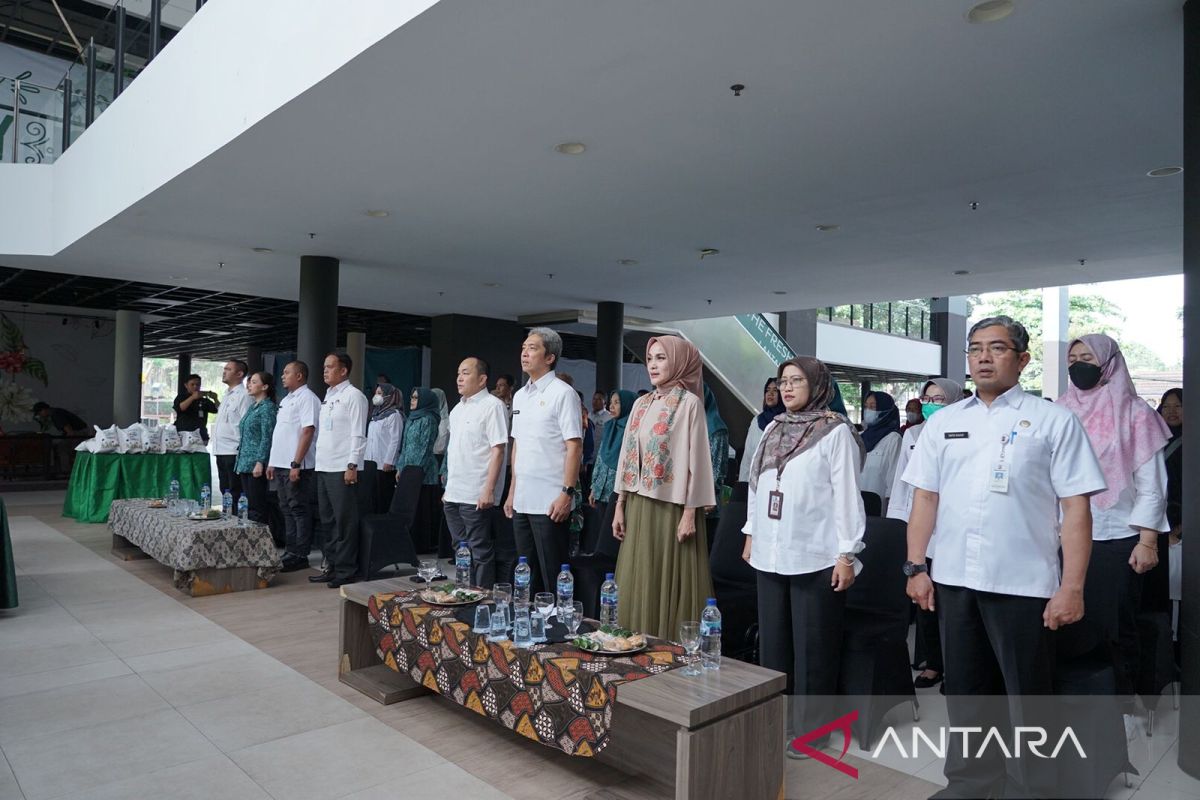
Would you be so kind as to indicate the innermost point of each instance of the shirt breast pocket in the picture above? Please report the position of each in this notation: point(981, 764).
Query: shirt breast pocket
point(1031, 458)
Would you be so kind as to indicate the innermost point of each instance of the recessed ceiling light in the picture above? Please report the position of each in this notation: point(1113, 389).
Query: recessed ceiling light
point(491, 285)
point(571, 148)
point(628, 262)
point(962, 272)
point(263, 250)
point(709, 251)
point(990, 11)
point(646, 307)
point(827, 228)
point(378, 213)
point(1164, 172)
point(778, 291)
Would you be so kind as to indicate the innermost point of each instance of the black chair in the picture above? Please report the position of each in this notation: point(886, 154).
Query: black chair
point(875, 669)
point(386, 539)
point(735, 583)
point(589, 569)
point(873, 504)
point(1085, 685)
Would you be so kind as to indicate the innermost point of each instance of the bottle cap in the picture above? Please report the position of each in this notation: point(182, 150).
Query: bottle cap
point(522, 560)
point(712, 601)
point(608, 576)
point(566, 567)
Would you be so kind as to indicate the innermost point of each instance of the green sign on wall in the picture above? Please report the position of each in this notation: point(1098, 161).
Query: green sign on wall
point(764, 333)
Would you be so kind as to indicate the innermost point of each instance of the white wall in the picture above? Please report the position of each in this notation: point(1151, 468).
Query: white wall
point(218, 77)
point(78, 358)
point(855, 347)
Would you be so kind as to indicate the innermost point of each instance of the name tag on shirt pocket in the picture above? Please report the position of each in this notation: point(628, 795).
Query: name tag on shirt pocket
point(957, 435)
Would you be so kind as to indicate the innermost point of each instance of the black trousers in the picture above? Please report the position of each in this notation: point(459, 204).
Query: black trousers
point(470, 525)
point(296, 501)
point(800, 620)
point(543, 542)
point(227, 477)
point(339, 504)
point(997, 655)
point(256, 497)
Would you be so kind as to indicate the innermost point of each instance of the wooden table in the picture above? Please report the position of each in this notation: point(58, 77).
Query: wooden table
point(209, 557)
point(718, 735)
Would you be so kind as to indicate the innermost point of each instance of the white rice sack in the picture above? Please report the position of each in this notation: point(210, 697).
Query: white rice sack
point(152, 440)
point(105, 441)
point(190, 442)
point(131, 438)
point(170, 442)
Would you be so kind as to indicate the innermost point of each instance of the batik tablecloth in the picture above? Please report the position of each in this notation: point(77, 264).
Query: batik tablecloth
point(189, 545)
point(554, 694)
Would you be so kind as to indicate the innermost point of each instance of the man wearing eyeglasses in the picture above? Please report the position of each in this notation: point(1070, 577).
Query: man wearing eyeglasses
point(991, 474)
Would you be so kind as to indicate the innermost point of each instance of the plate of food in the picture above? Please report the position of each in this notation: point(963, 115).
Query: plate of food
point(157, 504)
point(201, 516)
point(449, 595)
point(609, 640)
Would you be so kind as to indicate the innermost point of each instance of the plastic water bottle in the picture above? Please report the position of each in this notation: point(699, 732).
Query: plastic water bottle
point(173, 491)
point(522, 576)
point(566, 588)
point(608, 601)
point(205, 497)
point(243, 511)
point(462, 566)
point(710, 635)
point(227, 504)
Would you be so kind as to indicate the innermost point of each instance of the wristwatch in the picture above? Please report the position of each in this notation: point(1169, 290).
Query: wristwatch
point(569, 491)
point(295, 465)
point(352, 466)
point(911, 569)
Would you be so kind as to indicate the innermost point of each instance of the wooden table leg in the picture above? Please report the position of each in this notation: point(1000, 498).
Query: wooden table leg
point(359, 665)
point(738, 756)
point(126, 550)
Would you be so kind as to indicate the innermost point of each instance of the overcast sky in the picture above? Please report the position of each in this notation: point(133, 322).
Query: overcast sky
point(1150, 306)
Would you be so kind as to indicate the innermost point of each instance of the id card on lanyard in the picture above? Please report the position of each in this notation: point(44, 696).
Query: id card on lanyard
point(999, 477)
point(328, 415)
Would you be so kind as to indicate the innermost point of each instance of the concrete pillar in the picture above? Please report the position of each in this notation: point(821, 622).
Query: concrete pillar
point(1189, 616)
point(454, 337)
point(610, 347)
point(1055, 319)
point(799, 330)
point(316, 333)
point(254, 359)
point(356, 348)
point(185, 368)
point(949, 327)
point(127, 369)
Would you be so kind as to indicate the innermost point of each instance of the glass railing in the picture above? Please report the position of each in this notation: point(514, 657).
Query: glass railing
point(909, 318)
point(37, 123)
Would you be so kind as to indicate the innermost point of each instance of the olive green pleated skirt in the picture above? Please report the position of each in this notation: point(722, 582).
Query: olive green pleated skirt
point(662, 581)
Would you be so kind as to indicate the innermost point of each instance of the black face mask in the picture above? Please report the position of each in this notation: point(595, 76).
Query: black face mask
point(1084, 375)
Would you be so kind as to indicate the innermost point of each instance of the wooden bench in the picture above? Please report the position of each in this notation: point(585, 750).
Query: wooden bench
point(719, 735)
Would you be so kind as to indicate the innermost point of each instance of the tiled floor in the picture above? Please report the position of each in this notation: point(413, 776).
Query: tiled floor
point(115, 685)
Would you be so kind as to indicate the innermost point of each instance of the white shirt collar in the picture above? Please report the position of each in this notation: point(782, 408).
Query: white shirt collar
point(337, 388)
point(1012, 398)
point(541, 384)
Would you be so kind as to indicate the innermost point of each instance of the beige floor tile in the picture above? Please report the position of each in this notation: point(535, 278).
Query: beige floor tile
point(48, 654)
point(9, 789)
point(212, 778)
point(83, 759)
point(189, 635)
point(59, 678)
point(190, 656)
point(444, 780)
point(334, 761)
point(214, 679)
point(29, 716)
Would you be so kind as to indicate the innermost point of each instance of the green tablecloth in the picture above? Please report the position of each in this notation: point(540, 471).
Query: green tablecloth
point(100, 478)
point(8, 569)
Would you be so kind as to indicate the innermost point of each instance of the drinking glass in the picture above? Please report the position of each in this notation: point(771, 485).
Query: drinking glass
point(427, 569)
point(483, 619)
point(502, 594)
point(689, 637)
point(575, 618)
point(499, 630)
point(537, 626)
point(522, 636)
point(544, 601)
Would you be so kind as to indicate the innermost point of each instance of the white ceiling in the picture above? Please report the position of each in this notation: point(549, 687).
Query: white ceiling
point(885, 117)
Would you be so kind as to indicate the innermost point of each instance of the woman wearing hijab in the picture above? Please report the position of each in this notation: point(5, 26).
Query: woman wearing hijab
point(881, 436)
point(383, 442)
point(664, 484)
point(1128, 439)
point(1170, 408)
point(804, 528)
point(912, 416)
point(420, 435)
point(772, 407)
point(718, 439)
point(936, 394)
point(604, 476)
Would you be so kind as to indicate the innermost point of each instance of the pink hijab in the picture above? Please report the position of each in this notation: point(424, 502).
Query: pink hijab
point(687, 370)
point(1124, 431)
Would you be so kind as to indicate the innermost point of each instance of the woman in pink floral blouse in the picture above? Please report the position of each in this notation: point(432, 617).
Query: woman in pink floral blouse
point(664, 483)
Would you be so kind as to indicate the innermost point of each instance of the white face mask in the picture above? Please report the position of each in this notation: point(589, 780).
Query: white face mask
point(377, 400)
point(914, 417)
point(870, 416)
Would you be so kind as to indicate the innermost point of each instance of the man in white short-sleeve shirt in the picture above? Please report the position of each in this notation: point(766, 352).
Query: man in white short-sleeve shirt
point(475, 467)
point(547, 432)
point(991, 474)
point(227, 432)
point(290, 465)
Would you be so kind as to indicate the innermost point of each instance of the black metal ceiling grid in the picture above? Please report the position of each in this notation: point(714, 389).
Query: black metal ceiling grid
point(35, 25)
point(207, 324)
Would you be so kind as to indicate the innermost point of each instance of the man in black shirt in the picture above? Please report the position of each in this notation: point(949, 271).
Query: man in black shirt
point(66, 422)
point(193, 406)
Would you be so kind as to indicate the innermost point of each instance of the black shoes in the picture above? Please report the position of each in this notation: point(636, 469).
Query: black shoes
point(321, 577)
point(294, 565)
point(924, 682)
point(338, 583)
